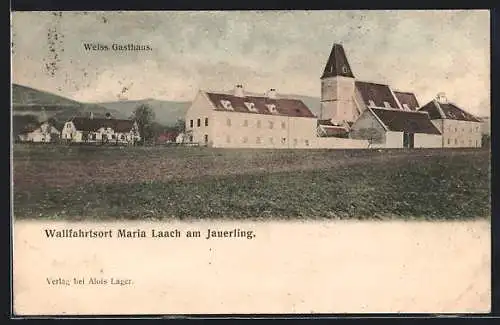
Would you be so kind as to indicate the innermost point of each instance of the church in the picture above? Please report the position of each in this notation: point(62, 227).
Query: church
point(389, 118)
point(354, 114)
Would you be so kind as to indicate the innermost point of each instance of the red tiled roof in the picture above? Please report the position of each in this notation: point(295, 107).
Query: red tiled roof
point(284, 106)
point(449, 111)
point(407, 98)
point(378, 93)
point(405, 121)
point(94, 124)
point(168, 136)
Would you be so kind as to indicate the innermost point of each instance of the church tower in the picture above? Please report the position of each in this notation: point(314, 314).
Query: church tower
point(337, 88)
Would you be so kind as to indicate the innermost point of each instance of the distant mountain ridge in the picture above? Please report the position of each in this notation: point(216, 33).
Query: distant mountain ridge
point(43, 104)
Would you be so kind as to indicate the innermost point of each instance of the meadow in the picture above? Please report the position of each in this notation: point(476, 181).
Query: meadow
point(157, 183)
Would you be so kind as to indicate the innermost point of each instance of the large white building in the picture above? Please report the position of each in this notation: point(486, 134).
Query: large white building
point(238, 120)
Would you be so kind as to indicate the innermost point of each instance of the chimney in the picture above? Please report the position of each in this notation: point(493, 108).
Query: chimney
point(91, 115)
point(238, 91)
point(441, 98)
point(271, 93)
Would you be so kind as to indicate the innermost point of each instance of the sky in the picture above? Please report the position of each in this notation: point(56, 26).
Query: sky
point(426, 52)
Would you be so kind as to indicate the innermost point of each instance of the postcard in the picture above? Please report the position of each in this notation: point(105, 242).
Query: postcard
point(251, 162)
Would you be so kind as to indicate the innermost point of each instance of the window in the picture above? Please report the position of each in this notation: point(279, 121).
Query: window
point(226, 104)
point(191, 123)
point(283, 140)
point(307, 142)
point(228, 122)
point(387, 105)
point(456, 130)
point(198, 123)
point(122, 137)
point(283, 125)
point(245, 123)
point(190, 138)
point(294, 142)
point(271, 124)
point(371, 103)
point(228, 139)
point(245, 139)
point(113, 136)
point(477, 144)
point(449, 141)
point(271, 140)
point(258, 124)
point(272, 108)
point(251, 107)
point(257, 140)
point(206, 138)
point(206, 121)
point(470, 142)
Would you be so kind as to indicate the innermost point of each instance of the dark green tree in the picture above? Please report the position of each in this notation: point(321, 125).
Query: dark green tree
point(145, 117)
point(180, 125)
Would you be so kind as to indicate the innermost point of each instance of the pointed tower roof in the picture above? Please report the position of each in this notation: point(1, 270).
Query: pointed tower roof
point(337, 64)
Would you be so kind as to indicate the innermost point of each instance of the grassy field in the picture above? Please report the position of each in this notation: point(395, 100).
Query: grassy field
point(83, 183)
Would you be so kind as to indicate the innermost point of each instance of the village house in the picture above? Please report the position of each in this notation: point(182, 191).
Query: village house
point(394, 128)
point(167, 137)
point(27, 128)
point(100, 130)
point(458, 127)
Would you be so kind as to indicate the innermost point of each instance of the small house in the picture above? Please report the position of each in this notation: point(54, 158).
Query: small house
point(100, 130)
point(396, 128)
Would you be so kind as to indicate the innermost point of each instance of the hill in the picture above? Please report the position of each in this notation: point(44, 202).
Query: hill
point(43, 104)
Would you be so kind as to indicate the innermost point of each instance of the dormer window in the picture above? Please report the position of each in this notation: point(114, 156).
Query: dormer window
point(387, 105)
point(227, 104)
point(251, 107)
point(272, 108)
point(405, 106)
point(371, 103)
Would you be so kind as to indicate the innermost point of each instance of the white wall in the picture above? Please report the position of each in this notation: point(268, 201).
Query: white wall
point(340, 143)
point(201, 108)
point(368, 122)
point(422, 140)
point(337, 99)
point(393, 139)
point(461, 133)
point(242, 130)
